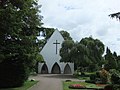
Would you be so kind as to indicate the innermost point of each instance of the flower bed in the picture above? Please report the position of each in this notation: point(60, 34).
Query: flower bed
point(76, 86)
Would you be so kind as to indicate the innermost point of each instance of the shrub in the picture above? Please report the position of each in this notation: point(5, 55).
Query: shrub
point(108, 87)
point(100, 77)
point(93, 77)
point(112, 87)
point(115, 79)
point(12, 74)
point(104, 75)
point(115, 76)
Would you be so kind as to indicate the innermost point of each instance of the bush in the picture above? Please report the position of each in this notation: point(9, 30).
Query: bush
point(115, 76)
point(104, 75)
point(92, 79)
point(112, 87)
point(12, 74)
point(99, 77)
point(115, 79)
point(108, 87)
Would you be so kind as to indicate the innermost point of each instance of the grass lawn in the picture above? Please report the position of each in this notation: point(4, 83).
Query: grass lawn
point(88, 85)
point(83, 78)
point(27, 85)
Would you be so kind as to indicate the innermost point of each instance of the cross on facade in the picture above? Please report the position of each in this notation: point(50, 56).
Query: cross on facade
point(56, 45)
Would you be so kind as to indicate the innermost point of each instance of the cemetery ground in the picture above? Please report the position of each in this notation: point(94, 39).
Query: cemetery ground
point(82, 83)
point(61, 82)
point(51, 81)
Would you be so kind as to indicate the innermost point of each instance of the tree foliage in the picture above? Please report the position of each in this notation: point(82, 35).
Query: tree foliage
point(85, 53)
point(67, 45)
point(66, 35)
point(47, 32)
point(65, 51)
point(95, 48)
point(118, 62)
point(19, 25)
point(115, 15)
point(111, 60)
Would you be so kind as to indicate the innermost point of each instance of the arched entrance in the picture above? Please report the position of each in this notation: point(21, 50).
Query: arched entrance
point(56, 69)
point(67, 69)
point(44, 69)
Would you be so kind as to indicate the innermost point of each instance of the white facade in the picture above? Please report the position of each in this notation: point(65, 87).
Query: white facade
point(50, 53)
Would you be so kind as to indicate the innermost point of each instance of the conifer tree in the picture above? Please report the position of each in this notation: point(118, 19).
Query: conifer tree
point(110, 60)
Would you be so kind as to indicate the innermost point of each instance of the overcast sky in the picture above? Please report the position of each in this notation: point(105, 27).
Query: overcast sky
point(83, 18)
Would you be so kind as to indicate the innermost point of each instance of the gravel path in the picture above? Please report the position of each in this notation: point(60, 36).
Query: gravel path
point(51, 81)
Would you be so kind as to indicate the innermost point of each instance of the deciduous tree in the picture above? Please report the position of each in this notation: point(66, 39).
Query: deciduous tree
point(19, 24)
point(85, 53)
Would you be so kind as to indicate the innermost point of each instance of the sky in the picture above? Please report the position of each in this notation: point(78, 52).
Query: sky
point(84, 18)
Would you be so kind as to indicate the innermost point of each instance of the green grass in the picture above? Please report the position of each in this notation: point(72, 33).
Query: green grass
point(83, 78)
point(26, 86)
point(88, 85)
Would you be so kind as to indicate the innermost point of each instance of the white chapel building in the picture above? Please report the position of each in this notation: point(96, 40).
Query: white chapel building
point(50, 53)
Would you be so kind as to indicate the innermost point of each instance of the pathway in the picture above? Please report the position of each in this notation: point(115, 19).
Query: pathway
point(51, 81)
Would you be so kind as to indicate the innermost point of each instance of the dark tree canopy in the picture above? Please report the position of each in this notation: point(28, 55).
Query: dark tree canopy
point(111, 59)
point(67, 45)
point(65, 51)
point(115, 15)
point(85, 53)
point(94, 50)
point(66, 35)
point(19, 27)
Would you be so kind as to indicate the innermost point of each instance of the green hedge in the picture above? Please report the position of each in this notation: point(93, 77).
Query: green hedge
point(13, 74)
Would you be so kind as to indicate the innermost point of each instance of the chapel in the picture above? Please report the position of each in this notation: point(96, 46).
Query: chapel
point(51, 55)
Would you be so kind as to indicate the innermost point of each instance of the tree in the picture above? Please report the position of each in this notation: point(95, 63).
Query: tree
point(118, 62)
point(66, 35)
point(47, 32)
point(80, 55)
point(115, 15)
point(19, 25)
point(95, 50)
point(67, 45)
point(110, 60)
point(39, 58)
point(86, 53)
